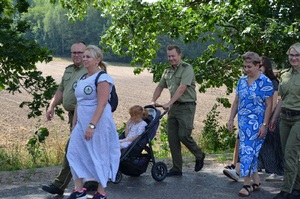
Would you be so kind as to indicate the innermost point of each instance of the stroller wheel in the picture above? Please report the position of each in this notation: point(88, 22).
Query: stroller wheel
point(159, 171)
point(119, 177)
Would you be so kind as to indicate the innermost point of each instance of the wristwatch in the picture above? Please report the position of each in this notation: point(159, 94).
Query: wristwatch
point(92, 126)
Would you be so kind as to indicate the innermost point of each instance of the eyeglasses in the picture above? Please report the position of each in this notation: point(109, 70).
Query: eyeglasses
point(77, 53)
point(294, 55)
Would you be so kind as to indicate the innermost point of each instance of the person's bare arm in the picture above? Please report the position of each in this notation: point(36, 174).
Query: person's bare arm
point(268, 112)
point(272, 124)
point(157, 92)
point(74, 121)
point(103, 90)
point(233, 112)
point(129, 139)
point(56, 100)
point(127, 127)
point(275, 100)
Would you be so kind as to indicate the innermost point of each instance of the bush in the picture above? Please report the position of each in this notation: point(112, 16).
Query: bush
point(163, 148)
point(215, 137)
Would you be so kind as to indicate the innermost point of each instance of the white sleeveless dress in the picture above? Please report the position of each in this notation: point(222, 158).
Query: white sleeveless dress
point(99, 157)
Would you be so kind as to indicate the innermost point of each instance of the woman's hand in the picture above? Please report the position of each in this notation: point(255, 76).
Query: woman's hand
point(230, 125)
point(272, 124)
point(262, 132)
point(89, 134)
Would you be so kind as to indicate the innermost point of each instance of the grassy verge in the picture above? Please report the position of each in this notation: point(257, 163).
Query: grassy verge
point(17, 157)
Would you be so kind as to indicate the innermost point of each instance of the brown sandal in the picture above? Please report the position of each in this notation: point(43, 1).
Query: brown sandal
point(247, 188)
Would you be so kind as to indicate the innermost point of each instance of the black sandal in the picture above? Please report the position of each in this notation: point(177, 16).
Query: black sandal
point(255, 187)
point(247, 188)
point(232, 166)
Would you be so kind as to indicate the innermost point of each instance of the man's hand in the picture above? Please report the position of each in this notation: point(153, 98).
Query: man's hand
point(155, 104)
point(166, 106)
point(50, 114)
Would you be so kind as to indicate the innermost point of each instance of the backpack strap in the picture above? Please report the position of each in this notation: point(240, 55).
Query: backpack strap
point(97, 78)
point(83, 76)
point(113, 100)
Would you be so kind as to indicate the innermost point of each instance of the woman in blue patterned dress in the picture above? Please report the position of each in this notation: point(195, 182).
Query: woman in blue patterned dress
point(253, 104)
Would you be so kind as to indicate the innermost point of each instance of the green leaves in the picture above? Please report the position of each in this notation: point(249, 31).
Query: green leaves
point(35, 145)
point(18, 57)
point(140, 30)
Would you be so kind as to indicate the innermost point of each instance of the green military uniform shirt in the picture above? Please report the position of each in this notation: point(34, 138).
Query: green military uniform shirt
point(289, 89)
point(182, 75)
point(68, 84)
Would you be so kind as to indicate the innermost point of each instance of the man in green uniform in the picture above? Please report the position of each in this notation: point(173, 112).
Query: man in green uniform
point(180, 80)
point(65, 95)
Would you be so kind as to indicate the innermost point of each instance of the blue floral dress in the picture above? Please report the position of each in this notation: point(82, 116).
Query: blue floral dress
point(251, 110)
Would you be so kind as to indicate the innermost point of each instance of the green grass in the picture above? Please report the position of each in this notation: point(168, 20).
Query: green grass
point(51, 153)
point(16, 157)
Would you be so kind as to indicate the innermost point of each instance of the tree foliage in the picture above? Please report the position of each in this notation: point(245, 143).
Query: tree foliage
point(18, 57)
point(267, 27)
point(137, 29)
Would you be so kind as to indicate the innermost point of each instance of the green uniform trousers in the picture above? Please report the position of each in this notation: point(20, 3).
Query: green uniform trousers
point(64, 177)
point(290, 140)
point(180, 126)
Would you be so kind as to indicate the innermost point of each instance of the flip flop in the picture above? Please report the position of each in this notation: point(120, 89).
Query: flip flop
point(247, 188)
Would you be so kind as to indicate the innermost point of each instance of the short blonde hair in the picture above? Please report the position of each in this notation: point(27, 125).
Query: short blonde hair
point(296, 46)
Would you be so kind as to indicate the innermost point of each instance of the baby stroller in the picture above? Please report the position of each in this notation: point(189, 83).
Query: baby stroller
point(136, 157)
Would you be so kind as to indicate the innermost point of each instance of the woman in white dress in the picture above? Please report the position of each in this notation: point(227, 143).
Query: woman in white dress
point(94, 149)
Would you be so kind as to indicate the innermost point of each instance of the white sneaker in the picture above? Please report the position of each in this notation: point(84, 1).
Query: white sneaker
point(231, 173)
point(274, 177)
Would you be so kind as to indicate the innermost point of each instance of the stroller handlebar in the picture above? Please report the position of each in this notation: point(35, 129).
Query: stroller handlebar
point(157, 105)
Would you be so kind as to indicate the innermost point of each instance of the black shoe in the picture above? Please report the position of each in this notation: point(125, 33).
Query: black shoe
point(78, 194)
point(91, 185)
point(284, 195)
point(296, 193)
point(51, 188)
point(174, 173)
point(199, 163)
point(232, 166)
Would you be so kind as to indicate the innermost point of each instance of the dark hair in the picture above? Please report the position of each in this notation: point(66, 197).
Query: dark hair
point(267, 63)
point(80, 42)
point(171, 47)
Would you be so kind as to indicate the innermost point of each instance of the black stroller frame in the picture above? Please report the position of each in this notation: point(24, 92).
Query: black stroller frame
point(133, 161)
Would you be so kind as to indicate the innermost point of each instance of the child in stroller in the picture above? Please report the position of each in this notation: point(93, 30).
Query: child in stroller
point(135, 158)
point(135, 126)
